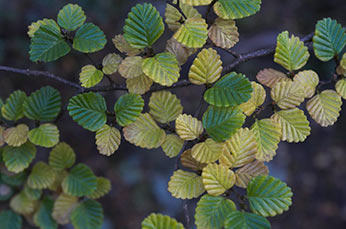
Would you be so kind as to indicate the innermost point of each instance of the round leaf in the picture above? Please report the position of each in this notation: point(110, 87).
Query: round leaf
point(217, 179)
point(193, 33)
point(160, 221)
point(131, 67)
point(107, 140)
point(245, 220)
point(235, 9)
point(88, 215)
point(196, 2)
point(62, 156)
point(13, 108)
point(63, 206)
point(89, 38)
point(181, 52)
point(110, 63)
point(128, 108)
point(18, 158)
point(258, 97)
point(71, 17)
point(21, 204)
point(16, 136)
point(172, 145)
point(139, 85)
point(189, 162)
point(90, 76)
point(249, 171)
point(46, 135)
point(340, 88)
point(164, 106)
point(43, 217)
point(287, 94)
point(123, 46)
point(224, 33)
point(103, 187)
point(187, 127)
point(42, 176)
point(10, 220)
point(308, 81)
point(208, 151)
point(269, 77)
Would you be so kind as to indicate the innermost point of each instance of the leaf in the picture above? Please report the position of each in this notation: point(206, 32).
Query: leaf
point(207, 151)
point(43, 105)
point(89, 38)
point(249, 171)
point(164, 106)
point(236, 9)
point(88, 215)
point(16, 136)
point(103, 187)
point(88, 110)
point(308, 81)
point(217, 179)
point(128, 108)
point(59, 177)
point(181, 52)
point(90, 76)
point(187, 127)
point(110, 63)
point(243, 148)
point(48, 43)
point(221, 122)
point(231, 90)
point(290, 52)
point(121, 44)
point(43, 217)
point(71, 17)
point(46, 135)
point(172, 145)
point(144, 132)
point(163, 68)
point(246, 220)
point(36, 25)
point(143, 26)
point(196, 2)
point(325, 107)
point(189, 162)
point(2, 140)
point(62, 156)
point(287, 94)
point(107, 140)
point(139, 85)
point(206, 68)
point(329, 39)
point(270, 77)
point(193, 33)
point(268, 134)
point(18, 158)
point(294, 124)
point(340, 88)
point(63, 206)
point(13, 108)
point(212, 211)
point(10, 220)
point(33, 194)
point(81, 181)
point(21, 204)
point(224, 33)
point(185, 185)
point(159, 221)
point(42, 176)
point(258, 97)
point(14, 179)
point(131, 67)
point(268, 196)
point(174, 17)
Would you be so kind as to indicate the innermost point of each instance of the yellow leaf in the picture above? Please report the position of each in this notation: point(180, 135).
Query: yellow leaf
point(269, 77)
point(325, 107)
point(308, 81)
point(131, 67)
point(189, 162)
point(188, 127)
point(172, 145)
point(107, 140)
point(340, 88)
point(206, 67)
point(144, 132)
point(63, 206)
point(90, 76)
point(217, 179)
point(249, 171)
point(208, 151)
point(287, 94)
point(110, 63)
point(258, 97)
point(196, 2)
point(193, 33)
point(164, 106)
point(224, 33)
point(139, 85)
point(16, 136)
point(121, 44)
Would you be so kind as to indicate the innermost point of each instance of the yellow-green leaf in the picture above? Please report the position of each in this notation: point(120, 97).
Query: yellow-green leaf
point(172, 145)
point(258, 97)
point(42, 176)
point(90, 76)
point(224, 33)
point(288, 94)
point(62, 156)
point(63, 206)
point(196, 2)
point(249, 171)
point(269, 77)
point(46, 135)
point(110, 63)
point(181, 52)
point(236, 9)
point(188, 127)
point(131, 67)
point(217, 179)
point(139, 85)
point(340, 88)
point(159, 221)
point(107, 140)
point(103, 187)
point(193, 33)
point(18, 158)
point(308, 81)
point(121, 44)
point(207, 151)
point(2, 140)
point(13, 108)
point(16, 136)
point(21, 204)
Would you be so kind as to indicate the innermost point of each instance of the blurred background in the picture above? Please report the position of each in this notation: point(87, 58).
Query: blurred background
point(315, 169)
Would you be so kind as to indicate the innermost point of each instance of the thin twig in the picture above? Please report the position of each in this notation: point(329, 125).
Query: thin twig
point(186, 213)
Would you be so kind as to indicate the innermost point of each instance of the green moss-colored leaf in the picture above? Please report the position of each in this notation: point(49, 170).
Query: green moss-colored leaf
point(103, 187)
point(71, 17)
point(90, 76)
point(10, 220)
point(62, 156)
point(159, 221)
point(41, 176)
point(128, 108)
point(193, 33)
point(107, 140)
point(43, 217)
point(235, 9)
point(245, 220)
point(172, 145)
point(46, 135)
point(89, 38)
point(164, 106)
point(63, 206)
point(13, 107)
point(36, 25)
point(21, 204)
point(88, 215)
point(19, 158)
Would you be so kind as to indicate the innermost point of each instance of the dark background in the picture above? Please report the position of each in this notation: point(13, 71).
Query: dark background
point(315, 169)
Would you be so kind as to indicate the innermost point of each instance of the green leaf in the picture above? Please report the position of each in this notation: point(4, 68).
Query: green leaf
point(185, 185)
point(13, 108)
point(212, 211)
point(128, 108)
point(63, 206)
point(193, 33)
point(36, 25)
point(89, 38)
point(231, 90)
point(88, 110)
point(42, 176)
point(14, 179)
point(43, 105)
point(71, 17)
point(33, 194)
point(81, 181)
point(143, 26)
point(107, 140)
point(159, 221)
point(268, 196)
point(196, 2)
point(88, 215)
point(10, 220)
point(18, 158)
point(163, 68)
point(222, 122)
point(236, 9)
point(46, 135)
point(329, 39)
point(290, 52)
point(43, 217)
point(103, 187)
point(62, 156)
point(165, 106)
point(172, 145)
point(90, 76)
point(340, 87)
point(48, 44)
point(245, 220)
